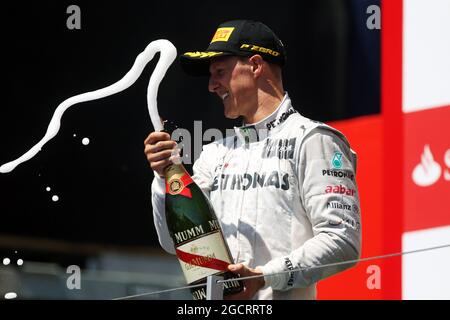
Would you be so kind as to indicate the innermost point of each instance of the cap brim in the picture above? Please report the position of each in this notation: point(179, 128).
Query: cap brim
point(197, 63)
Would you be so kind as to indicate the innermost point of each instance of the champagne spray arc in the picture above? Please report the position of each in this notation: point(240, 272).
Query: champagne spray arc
point(168, 53)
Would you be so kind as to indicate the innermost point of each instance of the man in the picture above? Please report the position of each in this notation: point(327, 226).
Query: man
point(283, 187)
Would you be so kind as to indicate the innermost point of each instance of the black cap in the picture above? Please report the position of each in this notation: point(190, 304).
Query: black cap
point(237, 38)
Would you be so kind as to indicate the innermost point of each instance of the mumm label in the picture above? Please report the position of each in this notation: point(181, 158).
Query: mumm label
point(196, 231)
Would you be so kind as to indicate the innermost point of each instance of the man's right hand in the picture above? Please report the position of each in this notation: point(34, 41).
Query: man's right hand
point(158, 149)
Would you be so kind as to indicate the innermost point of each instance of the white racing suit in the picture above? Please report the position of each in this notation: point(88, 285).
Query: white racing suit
point(285, 193)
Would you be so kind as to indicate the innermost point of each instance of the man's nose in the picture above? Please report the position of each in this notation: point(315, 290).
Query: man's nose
point(212, 84)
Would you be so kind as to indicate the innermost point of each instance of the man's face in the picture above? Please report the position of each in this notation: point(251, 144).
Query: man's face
point(233, 81)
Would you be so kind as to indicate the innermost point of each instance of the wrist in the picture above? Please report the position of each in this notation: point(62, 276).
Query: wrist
point(260, 280)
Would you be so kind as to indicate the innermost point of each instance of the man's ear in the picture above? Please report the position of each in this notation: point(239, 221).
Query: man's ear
point(257, 64)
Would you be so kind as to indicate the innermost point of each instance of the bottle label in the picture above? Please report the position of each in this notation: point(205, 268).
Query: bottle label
point(203, 257)
point(177, 180)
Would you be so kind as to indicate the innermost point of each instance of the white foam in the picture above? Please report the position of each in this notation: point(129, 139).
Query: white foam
point(10, 295)
point(167, 56)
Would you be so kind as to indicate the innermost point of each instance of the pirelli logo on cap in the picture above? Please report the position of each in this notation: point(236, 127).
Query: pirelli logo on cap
point(222, 34)
point(252, 47)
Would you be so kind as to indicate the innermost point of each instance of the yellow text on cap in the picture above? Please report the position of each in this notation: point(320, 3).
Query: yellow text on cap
point(222, 34)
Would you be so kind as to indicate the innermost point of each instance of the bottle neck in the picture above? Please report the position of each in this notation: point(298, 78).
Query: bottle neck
point(174, 171)
point(177, 180)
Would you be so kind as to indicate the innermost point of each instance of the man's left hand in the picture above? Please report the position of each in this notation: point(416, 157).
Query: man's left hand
point(251, 286)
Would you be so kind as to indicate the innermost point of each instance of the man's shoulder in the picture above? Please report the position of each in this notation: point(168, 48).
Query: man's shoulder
point(300, 125)
point(307, 128)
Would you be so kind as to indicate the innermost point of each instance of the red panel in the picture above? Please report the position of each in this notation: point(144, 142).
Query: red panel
point(365, 136)
point(427, 174)
point(391, 106)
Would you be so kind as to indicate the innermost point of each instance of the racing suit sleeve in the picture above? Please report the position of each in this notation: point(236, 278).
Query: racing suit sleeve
point(159, 213)
point(202, 176)
point(328, 191)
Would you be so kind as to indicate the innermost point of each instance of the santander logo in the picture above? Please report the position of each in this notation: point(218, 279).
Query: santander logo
point(428, 171)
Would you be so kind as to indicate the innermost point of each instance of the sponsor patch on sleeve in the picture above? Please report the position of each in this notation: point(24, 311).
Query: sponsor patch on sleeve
point(336, 161)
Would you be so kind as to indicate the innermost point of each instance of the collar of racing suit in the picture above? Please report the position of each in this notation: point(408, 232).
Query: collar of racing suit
point(262, 129)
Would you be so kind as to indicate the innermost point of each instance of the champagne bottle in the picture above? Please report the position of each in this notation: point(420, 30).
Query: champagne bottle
point(199, 242)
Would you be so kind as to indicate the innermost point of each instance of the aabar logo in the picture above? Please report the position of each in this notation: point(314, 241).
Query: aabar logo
point(428, 171)
point(340, 190)
point(222, 34)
